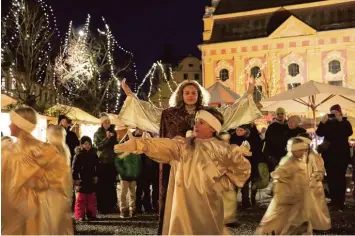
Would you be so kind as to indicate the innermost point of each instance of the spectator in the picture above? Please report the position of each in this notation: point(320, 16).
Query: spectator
point(149, 175)
point(85, 176)
point(293, 127)
point(250, 134)
point(105, 139)
point(275, 140)
point(336, 130)
point(71, 138)
point(128, 169)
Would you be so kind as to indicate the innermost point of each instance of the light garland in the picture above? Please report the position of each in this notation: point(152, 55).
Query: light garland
point(164, 75)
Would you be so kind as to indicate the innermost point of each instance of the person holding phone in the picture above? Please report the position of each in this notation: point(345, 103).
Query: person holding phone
point(336, 131)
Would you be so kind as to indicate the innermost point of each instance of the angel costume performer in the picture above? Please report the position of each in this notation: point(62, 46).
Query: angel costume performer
point(36, 186)
point(176, 121)
point(298, 205)
point(200, 172)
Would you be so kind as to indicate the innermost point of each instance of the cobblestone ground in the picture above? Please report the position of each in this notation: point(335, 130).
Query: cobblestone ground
point(145, 224)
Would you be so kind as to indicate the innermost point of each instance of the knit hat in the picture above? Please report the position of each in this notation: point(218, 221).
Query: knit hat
point(280, 110)
point(62, 117)
point(336, 107)
point(85, 139)
point(104, 117)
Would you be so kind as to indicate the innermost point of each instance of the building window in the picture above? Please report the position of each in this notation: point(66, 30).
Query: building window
point(224, 75)
point(293, 69)
point(257, 94)
point(336, 83)
point(197, 76)
point(292, 86)
point(255, 72)
point(186, 76)
point(334, 66)
point(191, 65)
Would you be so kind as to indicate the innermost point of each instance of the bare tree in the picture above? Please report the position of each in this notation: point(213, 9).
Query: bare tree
point(27, 34)
point(86, 72)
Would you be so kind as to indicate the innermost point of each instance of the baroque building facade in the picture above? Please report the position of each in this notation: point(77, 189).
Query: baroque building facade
point(281, 44)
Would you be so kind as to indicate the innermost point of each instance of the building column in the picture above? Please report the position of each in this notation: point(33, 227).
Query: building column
point(314, 65)
point(239, 73)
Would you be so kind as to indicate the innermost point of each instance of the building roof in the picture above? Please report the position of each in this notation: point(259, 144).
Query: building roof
point(320, 18)
point(232, 6)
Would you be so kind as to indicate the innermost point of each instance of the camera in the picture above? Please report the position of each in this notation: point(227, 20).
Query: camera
point(331, 115)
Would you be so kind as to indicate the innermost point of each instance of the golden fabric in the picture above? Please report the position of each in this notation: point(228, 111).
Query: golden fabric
point(35, 190)
point(198, 178)
point(319, 210)
point(289, 212)
point(138, 113)
point(230, 202)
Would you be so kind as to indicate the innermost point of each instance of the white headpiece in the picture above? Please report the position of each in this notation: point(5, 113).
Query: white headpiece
point(297, 146)
point(21, 122)
point(210, 119)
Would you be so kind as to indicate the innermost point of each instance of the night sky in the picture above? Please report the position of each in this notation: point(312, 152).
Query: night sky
point(143, 27)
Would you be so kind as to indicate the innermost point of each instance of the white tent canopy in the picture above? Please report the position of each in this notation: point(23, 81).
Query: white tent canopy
point(311, 95)
point(6, 100)
point(76, 114)
point(220, 94)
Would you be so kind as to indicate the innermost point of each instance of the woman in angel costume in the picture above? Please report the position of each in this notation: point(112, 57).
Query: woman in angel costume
point(203, 168)
point(35, 182)
point(188, 98)
point(298, 205)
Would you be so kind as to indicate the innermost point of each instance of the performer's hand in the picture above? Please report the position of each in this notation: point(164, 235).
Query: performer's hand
point(96, 180)
point(125, 88)
point(245, 149)
point(128, 147)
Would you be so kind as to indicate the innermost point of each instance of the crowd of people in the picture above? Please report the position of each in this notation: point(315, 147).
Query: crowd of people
point(43, 183)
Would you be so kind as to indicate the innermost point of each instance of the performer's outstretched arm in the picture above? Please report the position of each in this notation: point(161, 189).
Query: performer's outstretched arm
point(138, 113)
point(243, 111)
point(162, 150)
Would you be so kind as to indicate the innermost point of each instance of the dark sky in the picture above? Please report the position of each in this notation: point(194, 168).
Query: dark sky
point(143, 27)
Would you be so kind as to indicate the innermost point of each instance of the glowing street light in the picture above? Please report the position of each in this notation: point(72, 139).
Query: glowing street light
point(81, 33)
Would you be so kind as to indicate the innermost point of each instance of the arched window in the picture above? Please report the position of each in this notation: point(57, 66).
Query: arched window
point(293, 69)
point(255, 72)
point(224, 75)
point(334, 66)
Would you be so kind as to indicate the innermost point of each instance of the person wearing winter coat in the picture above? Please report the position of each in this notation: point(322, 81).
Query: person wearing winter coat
point(293, 127)
point(85, 176)
point(249, 133)
point(129, 170)
point(71, 139)
point(105, 139)
point(275, 140)
point(336, 131)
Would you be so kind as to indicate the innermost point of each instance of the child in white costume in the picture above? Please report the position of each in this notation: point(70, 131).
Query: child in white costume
point(289, 211)
point(203, 167)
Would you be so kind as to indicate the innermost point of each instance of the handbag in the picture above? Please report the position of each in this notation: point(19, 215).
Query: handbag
point(264, 175)
point(323, 147)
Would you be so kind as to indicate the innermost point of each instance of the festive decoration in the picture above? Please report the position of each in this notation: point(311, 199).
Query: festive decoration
point(27, 34)
point(86, 70)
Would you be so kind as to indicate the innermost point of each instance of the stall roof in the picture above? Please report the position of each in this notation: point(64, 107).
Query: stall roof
point(76, 114)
